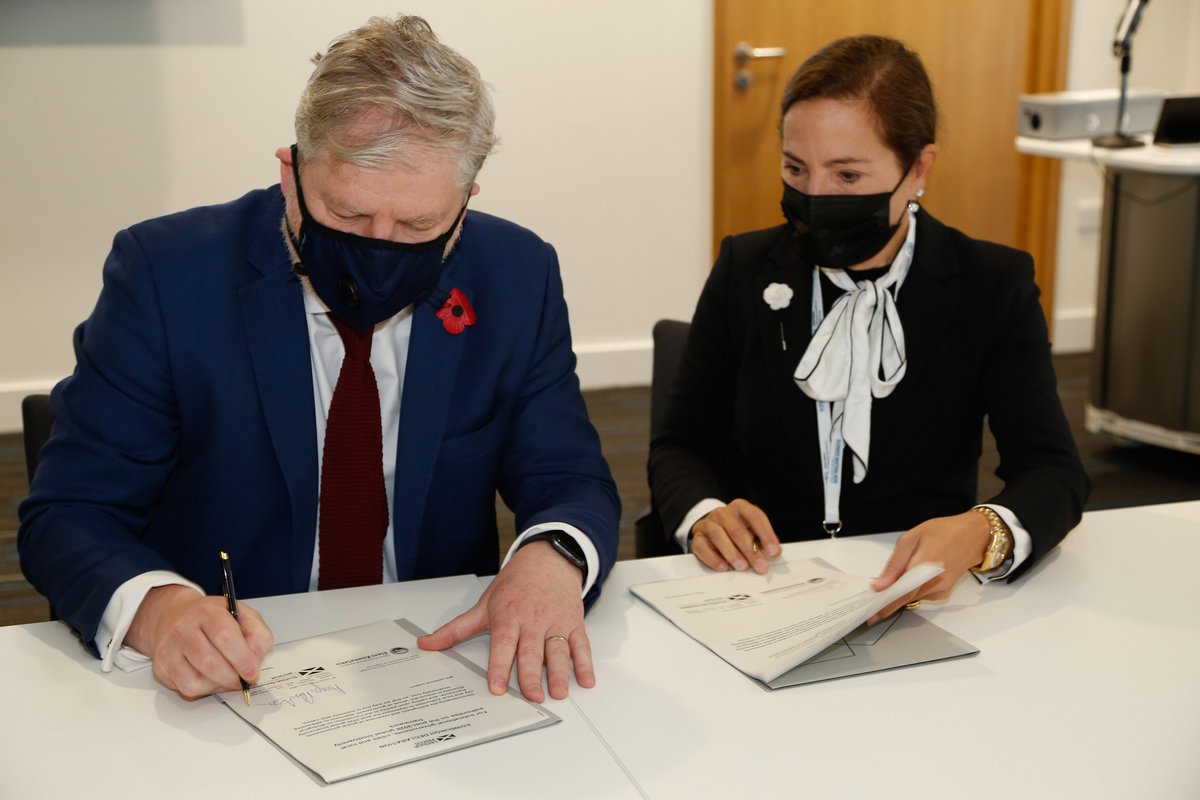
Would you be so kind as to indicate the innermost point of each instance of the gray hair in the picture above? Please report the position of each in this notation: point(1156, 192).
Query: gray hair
point(391, 86)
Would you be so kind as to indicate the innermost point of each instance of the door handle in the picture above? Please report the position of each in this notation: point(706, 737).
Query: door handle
point(745, 52)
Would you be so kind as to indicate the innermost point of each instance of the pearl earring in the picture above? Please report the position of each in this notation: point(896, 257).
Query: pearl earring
point(913, 205)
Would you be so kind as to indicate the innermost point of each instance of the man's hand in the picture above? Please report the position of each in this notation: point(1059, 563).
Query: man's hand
point(196, 645)
point(735, 536)
point(534, 612)
point(957, 543)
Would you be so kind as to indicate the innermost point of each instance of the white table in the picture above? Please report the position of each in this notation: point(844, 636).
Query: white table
point(69, 730)
point(1087, 685)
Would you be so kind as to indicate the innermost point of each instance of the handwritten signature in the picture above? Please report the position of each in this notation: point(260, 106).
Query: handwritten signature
point(308, 697)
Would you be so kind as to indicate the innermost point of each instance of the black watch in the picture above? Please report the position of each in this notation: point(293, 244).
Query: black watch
point(566, 546)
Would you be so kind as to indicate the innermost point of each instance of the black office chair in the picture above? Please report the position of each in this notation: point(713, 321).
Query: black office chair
point(37, 419)
point(669, 338)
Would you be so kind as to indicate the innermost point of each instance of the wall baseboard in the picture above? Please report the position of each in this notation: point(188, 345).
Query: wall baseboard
point(1074, 330)
point(604, 366)
point(601, 366)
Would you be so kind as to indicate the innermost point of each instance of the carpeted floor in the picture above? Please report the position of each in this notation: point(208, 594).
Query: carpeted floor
point(1122, 474)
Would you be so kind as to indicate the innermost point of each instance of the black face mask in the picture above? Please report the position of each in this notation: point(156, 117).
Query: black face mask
point(840, 230)
point(363, 280)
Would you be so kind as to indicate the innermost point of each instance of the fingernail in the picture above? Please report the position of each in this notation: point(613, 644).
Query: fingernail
point(760, 565)
point(774, 550)
point(740, 564)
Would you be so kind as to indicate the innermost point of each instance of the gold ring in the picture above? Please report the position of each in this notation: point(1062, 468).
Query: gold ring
point(756, 547)
point(913, 606)
point(555, 636)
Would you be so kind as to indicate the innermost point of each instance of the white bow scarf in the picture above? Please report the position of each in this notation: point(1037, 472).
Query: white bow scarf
point(856, 354)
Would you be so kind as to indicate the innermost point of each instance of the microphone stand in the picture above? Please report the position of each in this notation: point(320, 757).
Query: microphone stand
point(1122, 46)
point(1117, 139)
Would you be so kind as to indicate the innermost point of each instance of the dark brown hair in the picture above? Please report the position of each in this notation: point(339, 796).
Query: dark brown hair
point(881, 71)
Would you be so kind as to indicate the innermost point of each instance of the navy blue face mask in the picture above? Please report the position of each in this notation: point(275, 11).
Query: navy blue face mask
point(363, 280)
point(840, 230)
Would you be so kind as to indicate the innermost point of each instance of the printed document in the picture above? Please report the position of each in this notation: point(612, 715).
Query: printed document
point(767, 624)
point(901, 640)
point(362, 699)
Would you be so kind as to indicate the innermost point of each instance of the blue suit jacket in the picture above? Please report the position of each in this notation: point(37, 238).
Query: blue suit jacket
point(188, 426)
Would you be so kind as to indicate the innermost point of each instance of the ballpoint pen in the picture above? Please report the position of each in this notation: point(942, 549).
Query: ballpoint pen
point(231, 599)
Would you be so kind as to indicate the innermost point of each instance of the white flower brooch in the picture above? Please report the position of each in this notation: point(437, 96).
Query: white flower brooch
point(778, 295)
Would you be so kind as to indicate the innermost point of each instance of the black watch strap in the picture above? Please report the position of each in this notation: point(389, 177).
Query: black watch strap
point(566, 546)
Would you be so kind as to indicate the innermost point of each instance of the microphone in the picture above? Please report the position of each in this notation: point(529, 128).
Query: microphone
point(1127, 26)
point(1122, 42)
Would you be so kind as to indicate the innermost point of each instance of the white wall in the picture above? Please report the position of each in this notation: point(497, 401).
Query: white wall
point(1165, 56)
point(120, 110)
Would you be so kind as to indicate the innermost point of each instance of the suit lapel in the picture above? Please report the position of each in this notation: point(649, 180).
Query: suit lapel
point(927, 296)
point(429, 376)
point(277, 337)
point(925, 304)
point(793, 324)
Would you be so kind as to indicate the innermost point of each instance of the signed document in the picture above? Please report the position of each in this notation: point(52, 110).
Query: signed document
point(765, 625)
point(362, 699)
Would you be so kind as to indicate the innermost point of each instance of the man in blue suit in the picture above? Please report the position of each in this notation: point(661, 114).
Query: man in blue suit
point(329, 380)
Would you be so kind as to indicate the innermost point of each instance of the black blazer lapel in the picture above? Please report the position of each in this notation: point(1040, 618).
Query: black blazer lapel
point(926, 305)
point(928, 294)
point(793, 325)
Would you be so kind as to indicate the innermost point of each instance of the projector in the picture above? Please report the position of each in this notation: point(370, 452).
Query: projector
point(1084, 114)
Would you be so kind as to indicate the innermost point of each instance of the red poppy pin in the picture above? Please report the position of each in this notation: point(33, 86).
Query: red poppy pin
point(456, 313)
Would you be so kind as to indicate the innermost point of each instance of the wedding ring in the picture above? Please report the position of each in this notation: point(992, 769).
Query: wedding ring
point(913, 606)
point(756, 547)
point(555, 636)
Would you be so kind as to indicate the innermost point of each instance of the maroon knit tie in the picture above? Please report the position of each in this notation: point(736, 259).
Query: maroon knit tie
point(354, 513)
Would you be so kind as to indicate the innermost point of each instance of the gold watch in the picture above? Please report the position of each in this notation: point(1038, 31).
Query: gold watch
point(1001, 544)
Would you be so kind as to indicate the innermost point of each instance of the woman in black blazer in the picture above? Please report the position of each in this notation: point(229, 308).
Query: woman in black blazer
point(863, 412)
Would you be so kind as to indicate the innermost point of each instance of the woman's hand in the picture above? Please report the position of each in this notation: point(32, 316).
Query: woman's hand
point(735, 536)
point(957, 543)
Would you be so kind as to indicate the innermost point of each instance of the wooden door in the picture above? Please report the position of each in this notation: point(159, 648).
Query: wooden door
point(980, 55)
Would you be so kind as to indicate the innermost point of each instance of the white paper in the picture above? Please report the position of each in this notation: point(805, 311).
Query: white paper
point(362, 699)
point(767, 624)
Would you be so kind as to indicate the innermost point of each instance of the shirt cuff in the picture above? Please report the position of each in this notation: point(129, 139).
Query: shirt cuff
point(683, 532)
point(119, 614)
point(590, 553)
point(1022, 545)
